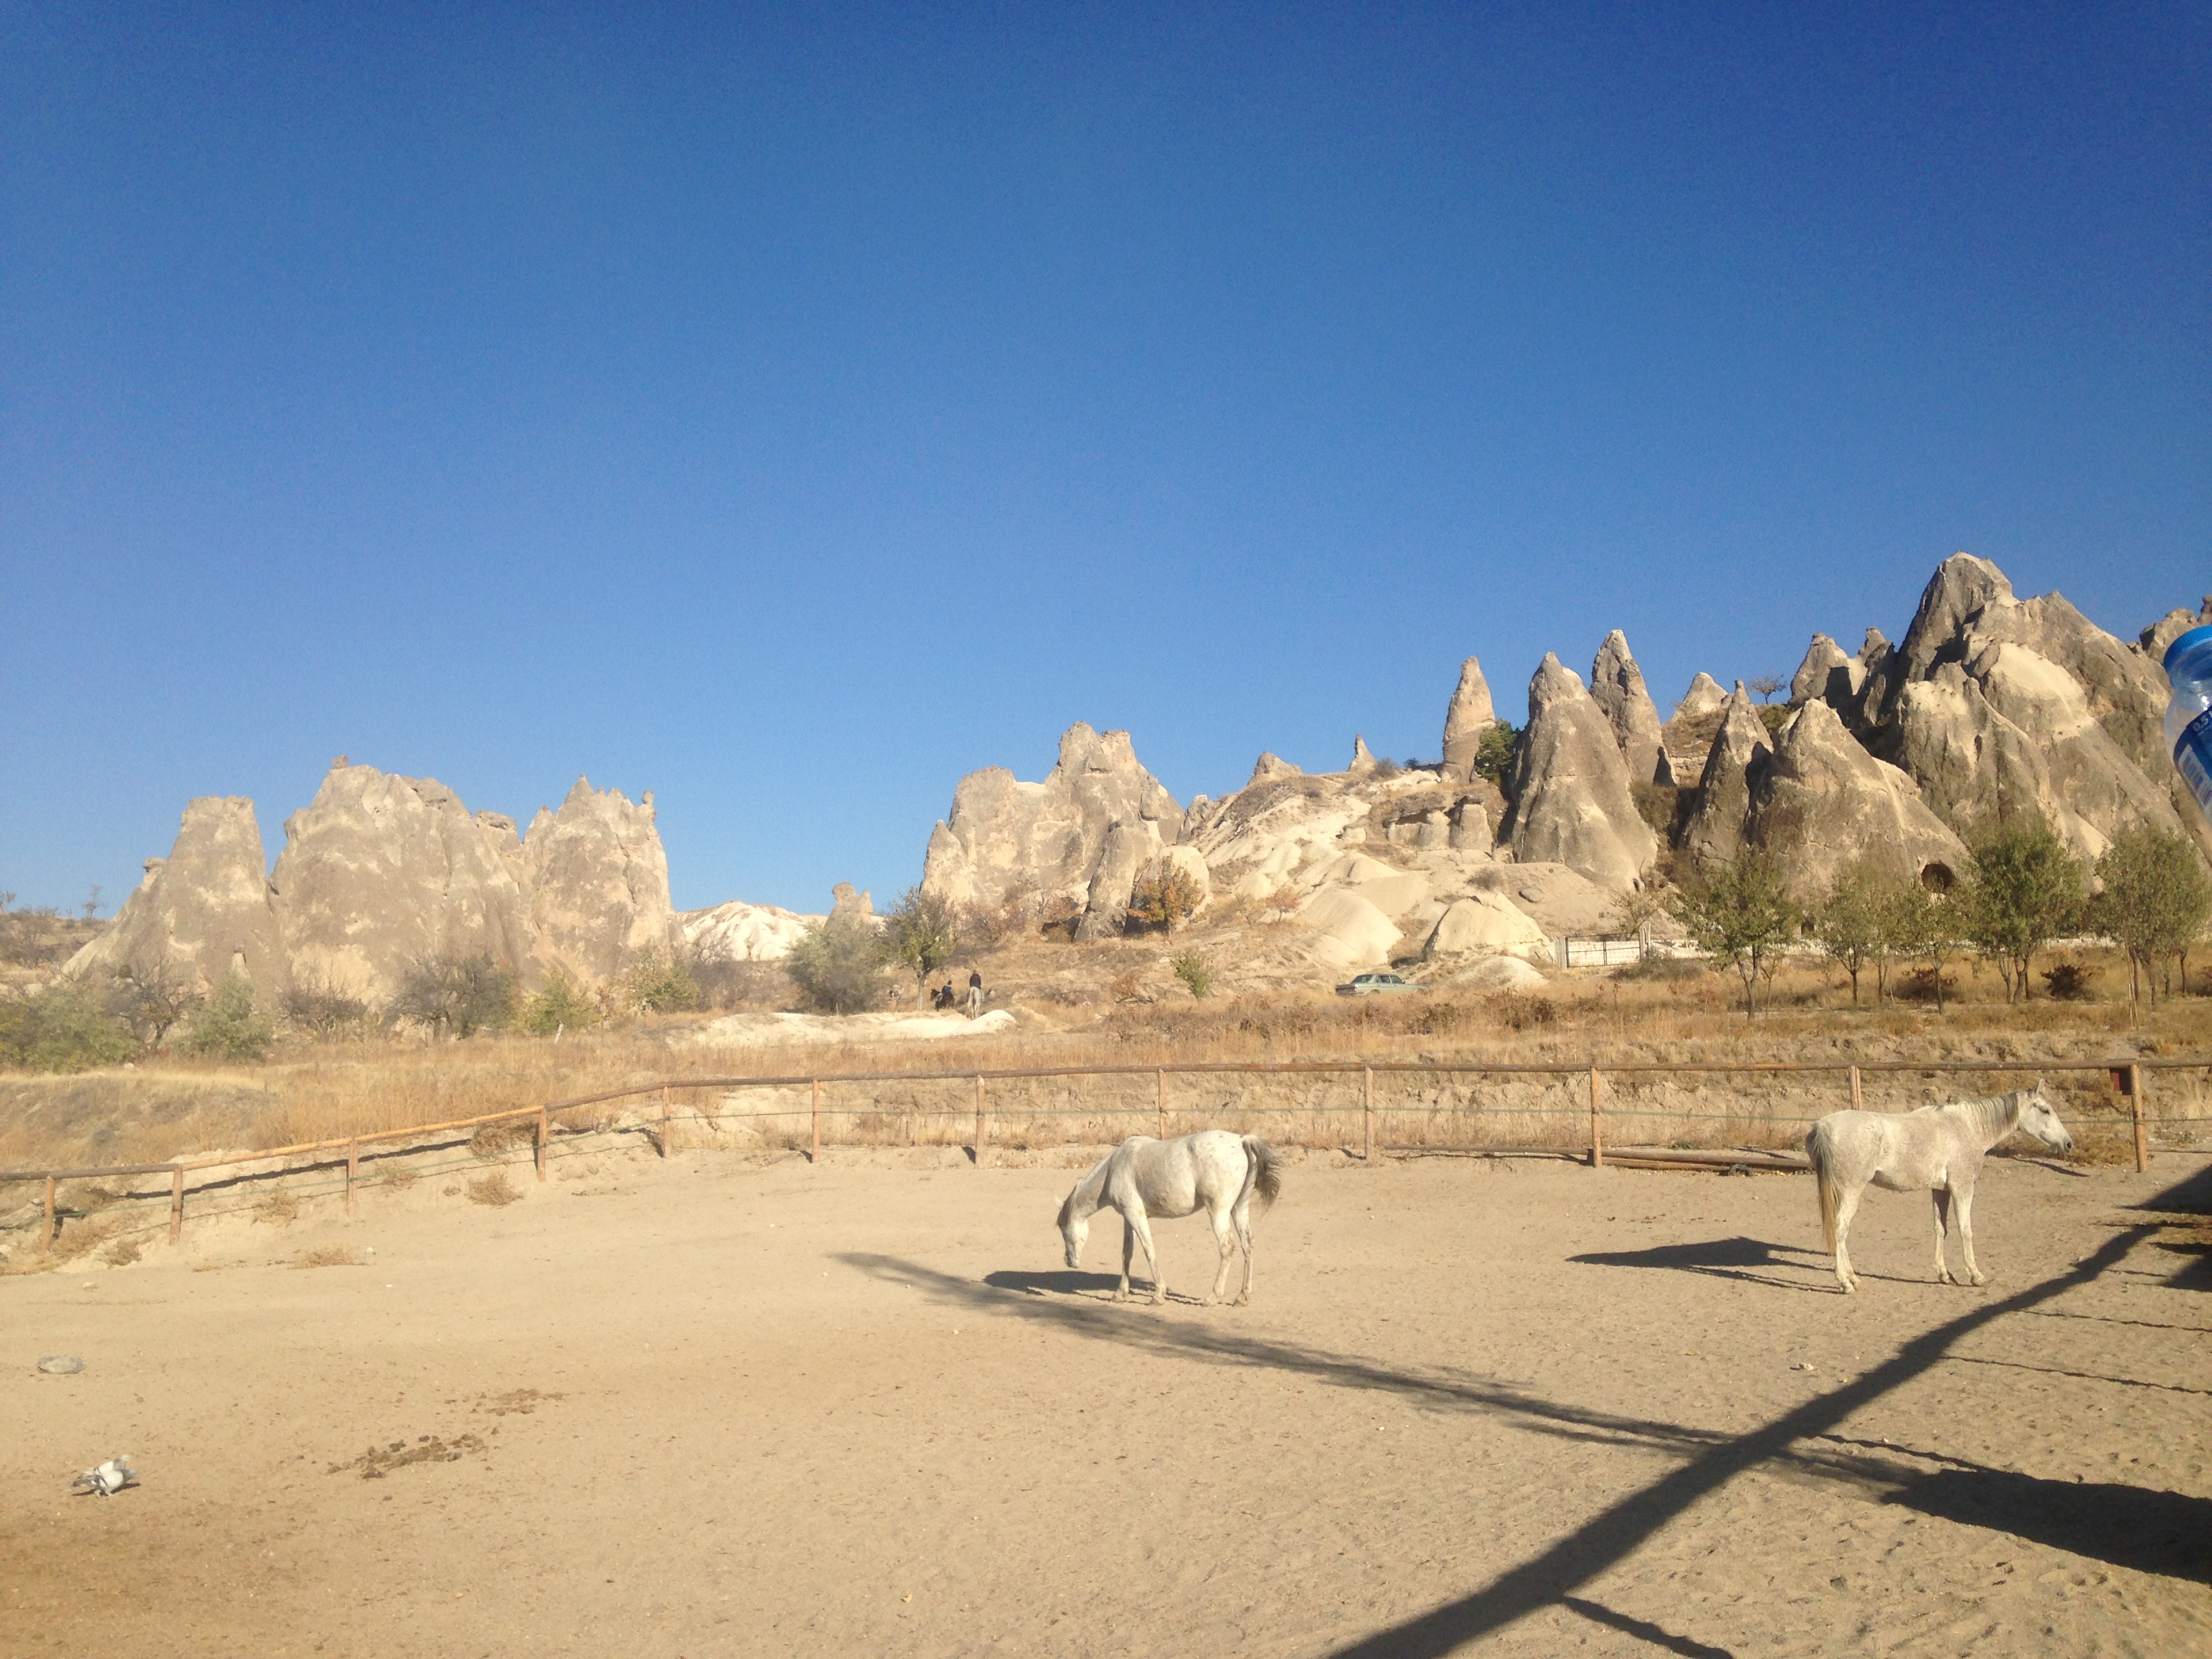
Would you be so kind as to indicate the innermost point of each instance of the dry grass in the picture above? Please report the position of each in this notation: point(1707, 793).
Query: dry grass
point(1069, 1017)
point(276, 1207)
point(330, 1256)
point(494, 1189)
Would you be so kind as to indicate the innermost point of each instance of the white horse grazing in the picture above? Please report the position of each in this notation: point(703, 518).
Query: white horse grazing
point(1937, 1149)
point(1213, 1170)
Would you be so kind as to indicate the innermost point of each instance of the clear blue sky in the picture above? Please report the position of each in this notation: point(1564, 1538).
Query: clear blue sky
point(790, 409)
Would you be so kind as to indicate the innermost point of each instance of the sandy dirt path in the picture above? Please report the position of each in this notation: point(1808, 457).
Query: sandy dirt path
point(711, 1408)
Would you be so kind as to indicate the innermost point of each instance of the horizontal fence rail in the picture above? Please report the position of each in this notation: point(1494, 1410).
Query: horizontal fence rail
point(2127, 1076)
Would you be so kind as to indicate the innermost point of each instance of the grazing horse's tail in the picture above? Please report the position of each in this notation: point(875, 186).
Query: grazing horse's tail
point(1820, 1153)
point(1262, 1171)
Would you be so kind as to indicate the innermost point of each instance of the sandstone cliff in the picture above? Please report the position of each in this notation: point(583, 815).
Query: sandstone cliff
point(1468, 715)
point(598, 881)
point(1821, 802)
point(1571, 802)
point(201, 910)
point(1617, 685)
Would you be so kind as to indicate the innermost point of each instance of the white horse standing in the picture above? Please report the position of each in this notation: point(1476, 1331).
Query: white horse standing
point(1937, 1149)
point(1144, 1176)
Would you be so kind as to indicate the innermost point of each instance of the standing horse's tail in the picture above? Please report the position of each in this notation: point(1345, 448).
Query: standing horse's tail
point(1262, 1170)
point(1820, 1153)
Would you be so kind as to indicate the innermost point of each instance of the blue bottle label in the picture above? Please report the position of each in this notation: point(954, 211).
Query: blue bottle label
point(2192, 758)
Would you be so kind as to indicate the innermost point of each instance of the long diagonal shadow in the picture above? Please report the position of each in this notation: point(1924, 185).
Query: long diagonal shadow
point(1606, 1538)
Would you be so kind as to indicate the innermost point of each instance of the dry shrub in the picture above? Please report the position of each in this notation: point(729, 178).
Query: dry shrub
point(277, 1207)
point(330, 1256)
point(2068, 981)
point(1126, 988)
point(490, 1139)
point(1523, 1011)
point(494, 1189)
point(122, 1253)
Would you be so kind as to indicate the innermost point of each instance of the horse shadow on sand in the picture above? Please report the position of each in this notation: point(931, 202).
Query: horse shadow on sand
point(1751, 1260)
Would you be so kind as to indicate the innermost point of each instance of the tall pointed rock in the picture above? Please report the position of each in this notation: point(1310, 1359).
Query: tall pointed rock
point(1617, 685)
point(1741, 747)
point(201, 910)
point(1470, 715)
point(1571, 802)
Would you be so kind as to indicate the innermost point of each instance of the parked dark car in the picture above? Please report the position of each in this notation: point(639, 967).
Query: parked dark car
point(1368, 985)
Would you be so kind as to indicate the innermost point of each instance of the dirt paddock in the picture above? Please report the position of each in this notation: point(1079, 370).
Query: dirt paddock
point(721, 1406)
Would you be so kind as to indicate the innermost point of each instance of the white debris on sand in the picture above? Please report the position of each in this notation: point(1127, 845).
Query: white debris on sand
point(772, 1030)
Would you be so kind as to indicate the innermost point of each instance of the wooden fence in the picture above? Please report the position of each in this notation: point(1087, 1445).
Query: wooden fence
point(2129, 1077)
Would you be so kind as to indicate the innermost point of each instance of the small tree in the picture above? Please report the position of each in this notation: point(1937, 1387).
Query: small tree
point(1494, 751)
point(1740, 915)
point(63, 1028)
point(1165, 895)
point(1764, 687)
point(837, 966)
point(1852, 923)
point(2023, 891)
point(1191, 969)
point(150, 997)
point(459, 995)
point(314, 1003)
point(921, 934)
point(2155, 902)
point(559, 1004)
point(659, 983)
point(229, 1025)
point(1923, 925)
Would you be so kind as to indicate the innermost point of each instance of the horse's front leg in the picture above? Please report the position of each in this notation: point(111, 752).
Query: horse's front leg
point(1128, 1249)
point(1142, 1229)
point(1942, 1198)
point(1962, 1206)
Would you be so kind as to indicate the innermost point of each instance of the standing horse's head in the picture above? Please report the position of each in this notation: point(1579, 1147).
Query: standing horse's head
point(2036, 1119)
point(1074, 1229)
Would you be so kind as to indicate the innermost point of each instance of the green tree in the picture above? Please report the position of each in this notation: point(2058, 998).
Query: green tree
point(229, 1025)
point(2023, 889)
point(64, 1027)
point(459, 995)
point(1851, 924)
point(559, 1004)
point(151, 997)
point(837, 965)
point(921, 934)
point(1739, 914)
point(1165, 895)
point(1191, 969)
point(1924, 926)
point(659, 983)
point(1493, 753)
point(2155, 901)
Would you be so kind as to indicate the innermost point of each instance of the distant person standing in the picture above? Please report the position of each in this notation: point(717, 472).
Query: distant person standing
point(974, 990)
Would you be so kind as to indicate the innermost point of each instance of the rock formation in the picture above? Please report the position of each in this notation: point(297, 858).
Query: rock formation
point(1362, 757)
point(1827, 676)
point(1482, 921)
point(1703, 697)
point(1004, 834)
point(2004, 710)
point(1469, 714)
point(201, 910)
point(1822, 802)
point(738, 932)
point(598, 881)
point(1268, 766)
point(2155, 639)
point(1714, 828)
point(848, 903)
point(380, 872)
point(1616, 683)
point(1571, 802)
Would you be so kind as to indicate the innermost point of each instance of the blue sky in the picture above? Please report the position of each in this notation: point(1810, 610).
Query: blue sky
point(789, 410)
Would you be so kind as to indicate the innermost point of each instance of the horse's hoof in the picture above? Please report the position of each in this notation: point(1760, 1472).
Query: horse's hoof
point(1980, 1279)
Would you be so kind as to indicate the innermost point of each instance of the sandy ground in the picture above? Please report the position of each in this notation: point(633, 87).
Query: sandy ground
point(711, 1406)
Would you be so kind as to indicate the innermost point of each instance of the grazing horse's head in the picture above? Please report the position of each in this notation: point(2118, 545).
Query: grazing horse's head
point(2036, 1119)
point(1074, 1229)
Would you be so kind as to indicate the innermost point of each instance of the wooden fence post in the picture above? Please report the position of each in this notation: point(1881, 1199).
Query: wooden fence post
point(46, 1238)
point(1597, 1137)
point(176, 1204)
point(544, 1132)
point(2135, 1103)
point(1163, 1103)
point(817, 1155)
point(1367, 1114)
point(980, 1126)
point(353, 1170)
point(664, 1119)
point(1858, 1096)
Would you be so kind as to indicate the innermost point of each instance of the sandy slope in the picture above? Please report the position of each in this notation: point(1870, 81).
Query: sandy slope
point(730, 1409)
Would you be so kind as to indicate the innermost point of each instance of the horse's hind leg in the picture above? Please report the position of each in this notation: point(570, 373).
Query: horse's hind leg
point(1846, 1207)
point(1942, 1195)
point(1224, 1238)
point(1240, 1217)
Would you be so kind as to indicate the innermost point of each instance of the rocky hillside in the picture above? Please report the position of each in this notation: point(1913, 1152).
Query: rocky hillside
point(380, 872)
point(1991, 709)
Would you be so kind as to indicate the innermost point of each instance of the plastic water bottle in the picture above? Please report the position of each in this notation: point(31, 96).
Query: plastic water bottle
point(2189, 715)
